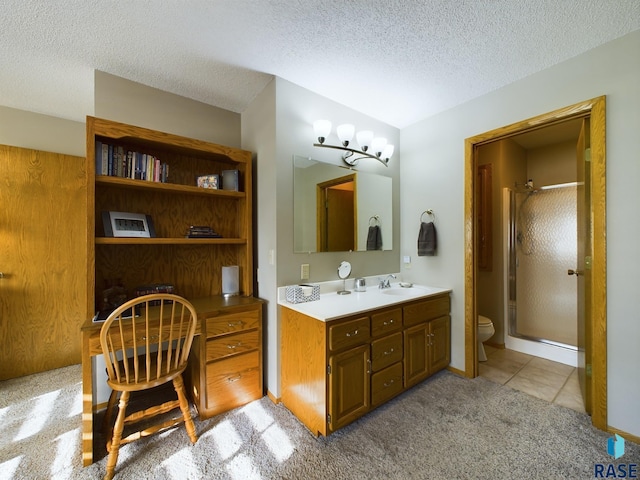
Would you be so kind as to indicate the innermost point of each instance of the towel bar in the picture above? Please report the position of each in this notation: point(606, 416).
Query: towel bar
point(428, 212)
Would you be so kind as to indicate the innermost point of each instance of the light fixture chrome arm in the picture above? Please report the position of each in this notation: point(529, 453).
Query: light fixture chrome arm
point(352, 151)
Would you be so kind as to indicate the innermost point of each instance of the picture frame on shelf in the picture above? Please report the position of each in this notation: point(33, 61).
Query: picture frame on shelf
point(230, 180)
point(125, 224)
point(208, 181)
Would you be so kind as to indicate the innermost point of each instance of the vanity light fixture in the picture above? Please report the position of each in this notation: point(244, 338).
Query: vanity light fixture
point(370, 146)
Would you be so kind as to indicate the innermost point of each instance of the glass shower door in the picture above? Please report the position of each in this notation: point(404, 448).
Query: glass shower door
point(542, 247)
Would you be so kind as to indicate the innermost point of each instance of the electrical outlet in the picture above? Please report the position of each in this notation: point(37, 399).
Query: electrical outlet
point(304, 271)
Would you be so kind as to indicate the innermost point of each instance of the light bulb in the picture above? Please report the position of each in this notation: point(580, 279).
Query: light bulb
point(388, 151)
point(322, 129)
point(345, 133)
point(364, 139)
point(377, 145)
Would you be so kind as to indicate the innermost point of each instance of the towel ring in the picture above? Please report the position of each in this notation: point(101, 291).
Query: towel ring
point(376, 218)
point(430, 213)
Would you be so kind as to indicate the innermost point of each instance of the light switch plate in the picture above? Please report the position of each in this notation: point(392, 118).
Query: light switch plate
point(304, 271)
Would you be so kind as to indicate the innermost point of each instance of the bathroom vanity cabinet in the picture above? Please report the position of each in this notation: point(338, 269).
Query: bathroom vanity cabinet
point(335, 371)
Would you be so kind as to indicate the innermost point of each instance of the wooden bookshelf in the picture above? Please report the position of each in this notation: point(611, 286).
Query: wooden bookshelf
point(192, 265)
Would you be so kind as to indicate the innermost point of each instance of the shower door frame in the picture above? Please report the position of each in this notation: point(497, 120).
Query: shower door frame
point(595, 110)
point(512, 265)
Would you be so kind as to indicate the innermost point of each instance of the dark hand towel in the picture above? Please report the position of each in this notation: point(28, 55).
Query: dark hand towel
point(374, 238)
point(427, 240)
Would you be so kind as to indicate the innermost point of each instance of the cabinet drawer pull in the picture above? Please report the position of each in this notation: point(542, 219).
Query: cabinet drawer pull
point(352, 334)
point(152, 338)
point(234, 379)
point(389, 383)
point(389, 352)
point(235, 345)
point(390, 322)
point(239, 323)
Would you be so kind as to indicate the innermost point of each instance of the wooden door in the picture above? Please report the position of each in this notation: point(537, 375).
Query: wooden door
point(43, 259)
point(340, 223)
point(439, 344)
point(583, 262)
point(336, 214)
point(349, 386)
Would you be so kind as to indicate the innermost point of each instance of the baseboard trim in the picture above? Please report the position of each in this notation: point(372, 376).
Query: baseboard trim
point(625, 435)
point(273, 398)
point(462, 373)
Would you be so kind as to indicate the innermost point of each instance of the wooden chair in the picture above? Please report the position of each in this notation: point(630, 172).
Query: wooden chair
point(144, 351)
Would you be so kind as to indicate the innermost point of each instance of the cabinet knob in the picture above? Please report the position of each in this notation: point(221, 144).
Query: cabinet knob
point(352, 334)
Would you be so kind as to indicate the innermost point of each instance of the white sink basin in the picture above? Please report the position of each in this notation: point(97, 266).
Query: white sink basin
point(400, 291)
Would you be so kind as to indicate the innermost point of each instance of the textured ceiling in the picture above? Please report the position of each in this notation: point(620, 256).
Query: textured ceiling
point(396, 60)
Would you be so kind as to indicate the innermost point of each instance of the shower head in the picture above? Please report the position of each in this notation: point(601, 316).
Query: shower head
point(526, 187)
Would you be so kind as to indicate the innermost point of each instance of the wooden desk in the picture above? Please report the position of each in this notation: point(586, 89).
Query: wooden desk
point(210, 311)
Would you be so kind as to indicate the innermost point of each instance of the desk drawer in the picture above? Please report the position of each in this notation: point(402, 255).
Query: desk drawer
point(233, 322)
point(220, 347)
point(386, 322)
point(349, 333)
point(232, 382)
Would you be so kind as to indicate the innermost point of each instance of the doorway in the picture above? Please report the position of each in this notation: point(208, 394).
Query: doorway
point(337, 217)
point(593, 282)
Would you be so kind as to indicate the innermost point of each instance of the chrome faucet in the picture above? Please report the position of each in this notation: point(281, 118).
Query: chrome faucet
point(384, 282)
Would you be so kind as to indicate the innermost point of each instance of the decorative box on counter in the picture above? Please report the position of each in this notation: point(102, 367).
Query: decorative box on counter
point(302, 293)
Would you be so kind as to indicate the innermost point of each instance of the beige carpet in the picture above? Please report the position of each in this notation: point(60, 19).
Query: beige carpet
point(446, 428)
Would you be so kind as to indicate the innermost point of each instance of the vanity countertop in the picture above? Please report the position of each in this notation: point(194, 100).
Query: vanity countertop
point(332, 306)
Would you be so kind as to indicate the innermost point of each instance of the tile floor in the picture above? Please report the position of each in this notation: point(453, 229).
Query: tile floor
point(545, 379)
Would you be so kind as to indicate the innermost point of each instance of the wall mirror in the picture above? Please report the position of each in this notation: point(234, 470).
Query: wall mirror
point(337, 209)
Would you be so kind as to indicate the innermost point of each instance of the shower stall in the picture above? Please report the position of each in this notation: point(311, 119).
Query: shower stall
point(541, 246)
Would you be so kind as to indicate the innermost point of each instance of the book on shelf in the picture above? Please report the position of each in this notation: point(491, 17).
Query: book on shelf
point(198, 231)
point(115, 161)
point(154, 288)
point(102, 315)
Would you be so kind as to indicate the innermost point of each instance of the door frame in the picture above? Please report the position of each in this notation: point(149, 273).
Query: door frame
point(597, 303)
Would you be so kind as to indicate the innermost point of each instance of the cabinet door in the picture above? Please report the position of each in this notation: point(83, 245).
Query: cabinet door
point(349, 386)
point(440, 344)
point(416, 359)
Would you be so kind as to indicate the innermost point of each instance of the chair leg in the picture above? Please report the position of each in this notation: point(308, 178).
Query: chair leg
point(107, 422)
point(114, 444)
point(178, 384)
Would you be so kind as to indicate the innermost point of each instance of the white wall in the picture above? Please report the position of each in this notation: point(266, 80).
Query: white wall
point(122, 100)
point(259, 136)
point(41, 132)
point(432, 172)
point(284, 113)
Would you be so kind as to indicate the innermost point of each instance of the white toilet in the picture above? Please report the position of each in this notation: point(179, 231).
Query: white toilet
point(485, 332)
